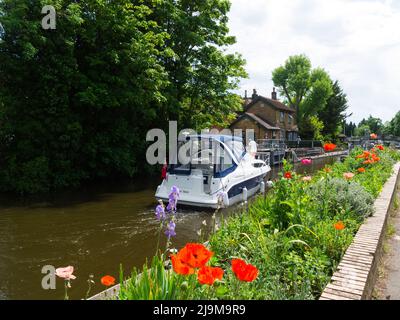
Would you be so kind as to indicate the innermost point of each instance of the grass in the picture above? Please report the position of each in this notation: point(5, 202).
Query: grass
point(290, 236)
point(391, 229)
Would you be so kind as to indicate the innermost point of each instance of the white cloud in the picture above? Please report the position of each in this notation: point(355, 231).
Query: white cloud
point(356, 41)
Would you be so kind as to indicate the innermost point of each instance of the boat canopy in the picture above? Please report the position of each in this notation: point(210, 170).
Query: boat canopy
point(219, 153)
point(233, 144)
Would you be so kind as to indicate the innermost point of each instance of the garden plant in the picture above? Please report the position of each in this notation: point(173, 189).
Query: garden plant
point(282, 246)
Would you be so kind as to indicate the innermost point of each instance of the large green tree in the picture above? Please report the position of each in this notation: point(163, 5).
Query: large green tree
point(350, 128)
point(76, 102)
point(201, 74)
point(76, 98)
point(363, 130)
point(375, 125)
point(307, 90)
point(333, 113)
point(393, 126)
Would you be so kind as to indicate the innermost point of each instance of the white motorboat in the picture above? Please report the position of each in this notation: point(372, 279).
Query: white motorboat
point(218, 171)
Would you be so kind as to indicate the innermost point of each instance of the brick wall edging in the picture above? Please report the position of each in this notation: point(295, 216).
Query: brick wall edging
point(357, 272)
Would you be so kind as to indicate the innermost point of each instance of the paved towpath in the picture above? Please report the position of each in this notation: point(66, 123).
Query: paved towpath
point(388, 286)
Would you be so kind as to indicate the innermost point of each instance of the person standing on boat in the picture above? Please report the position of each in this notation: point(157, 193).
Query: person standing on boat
point(252, 149)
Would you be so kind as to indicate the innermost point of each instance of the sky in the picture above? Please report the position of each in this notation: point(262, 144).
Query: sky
point(356, 41)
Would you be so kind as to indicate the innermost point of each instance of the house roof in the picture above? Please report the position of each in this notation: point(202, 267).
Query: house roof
point(274, 103)
point(258, 120)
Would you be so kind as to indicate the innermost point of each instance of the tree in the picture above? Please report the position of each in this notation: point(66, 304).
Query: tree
point(362, 130)
point(350, 128)
point(76, 102)
point(306, 90)
point(201, 75)
point(333, 114)
point(393, 127)
point(375, 124)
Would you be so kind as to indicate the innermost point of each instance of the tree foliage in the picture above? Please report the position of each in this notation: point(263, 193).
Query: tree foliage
point(363, 130)
point(375, 125)
point(393, 127)
point(307, 90)
point(76, 102)
point(350, 128)
point(201, 75)
point(333, 114)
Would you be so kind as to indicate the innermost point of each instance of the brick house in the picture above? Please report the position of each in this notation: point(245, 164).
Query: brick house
point(269, 118)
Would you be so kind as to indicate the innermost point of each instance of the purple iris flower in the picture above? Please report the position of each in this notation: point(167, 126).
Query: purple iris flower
point(175, 190)
point(172, 204)
point(170, 232)
point(173, 199)
point(160, 213)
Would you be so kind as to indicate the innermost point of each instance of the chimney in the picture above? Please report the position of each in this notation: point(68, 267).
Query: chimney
point(273, 95)
point(255, 95)
point(245, 94)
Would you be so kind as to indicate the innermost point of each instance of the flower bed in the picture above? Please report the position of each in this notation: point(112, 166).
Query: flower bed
point(299, 232)
point(285, 246)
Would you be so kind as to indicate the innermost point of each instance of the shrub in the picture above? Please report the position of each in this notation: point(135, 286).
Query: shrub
point(335, 196)
point(295, 236)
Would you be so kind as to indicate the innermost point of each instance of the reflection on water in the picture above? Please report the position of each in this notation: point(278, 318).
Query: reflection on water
point(95, 230)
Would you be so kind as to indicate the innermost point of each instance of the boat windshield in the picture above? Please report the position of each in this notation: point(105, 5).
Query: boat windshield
point(205, 156)
point(237, 149)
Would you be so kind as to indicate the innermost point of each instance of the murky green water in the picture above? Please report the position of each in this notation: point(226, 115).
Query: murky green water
point(94, 229)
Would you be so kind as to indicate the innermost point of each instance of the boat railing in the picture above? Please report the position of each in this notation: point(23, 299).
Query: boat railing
point(304, 144)
point(271, 144)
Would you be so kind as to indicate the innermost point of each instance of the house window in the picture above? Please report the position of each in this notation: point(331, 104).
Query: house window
point(292, 136)
point(290, 119)
point(282, 117)
point(283, 135)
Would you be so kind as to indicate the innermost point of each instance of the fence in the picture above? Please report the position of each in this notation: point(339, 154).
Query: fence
point(284, 144)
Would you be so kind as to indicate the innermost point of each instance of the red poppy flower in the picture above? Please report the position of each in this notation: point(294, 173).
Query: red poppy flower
point(195, 255)
point(339, 226)
point(190, 257)
point(361, 170)
point(329, 147)
point(328, 170)
point(179, 266)
point(380, 147)
point(375, 158)
point(287, 175)
point(374, 136)
point(208, 275)
point(243, 271)
point(108, 281)
point(364, 155)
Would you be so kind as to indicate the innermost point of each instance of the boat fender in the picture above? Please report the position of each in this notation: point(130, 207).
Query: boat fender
point(262, 187)
point(223, 199)
point(226, 199)
point(244, 194)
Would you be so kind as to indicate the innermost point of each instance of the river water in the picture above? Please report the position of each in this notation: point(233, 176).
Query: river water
point(95, 229)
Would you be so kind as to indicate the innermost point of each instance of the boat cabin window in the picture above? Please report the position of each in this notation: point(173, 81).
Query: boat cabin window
point(224, 163)
point(181, 162)
point(237, 149)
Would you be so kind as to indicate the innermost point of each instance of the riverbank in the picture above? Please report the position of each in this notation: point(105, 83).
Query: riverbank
point(294, 238)
point(95, 229)
point(388, 283)
point(357, 272)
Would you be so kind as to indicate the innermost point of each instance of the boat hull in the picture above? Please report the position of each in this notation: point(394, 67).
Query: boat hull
point(235, 194)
